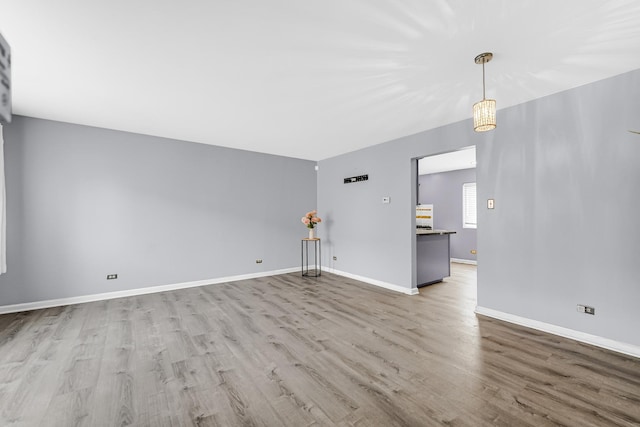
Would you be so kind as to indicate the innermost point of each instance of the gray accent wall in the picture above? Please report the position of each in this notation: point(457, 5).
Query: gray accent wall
point(444, 191)
point(369, 238)
point(564, 173)
point(84, 202)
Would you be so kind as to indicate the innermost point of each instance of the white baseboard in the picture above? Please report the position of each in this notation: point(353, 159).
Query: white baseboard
point(617, 346)
point(14, 308)
point(464, 261)
point(380, 283)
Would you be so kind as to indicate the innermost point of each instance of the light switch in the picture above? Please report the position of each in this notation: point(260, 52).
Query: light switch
point(489, 203)
point(386, 199)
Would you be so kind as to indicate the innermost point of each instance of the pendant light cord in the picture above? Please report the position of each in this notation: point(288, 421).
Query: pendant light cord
point(483, 95)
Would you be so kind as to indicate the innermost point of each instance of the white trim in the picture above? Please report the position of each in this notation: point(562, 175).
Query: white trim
point(617, 346)
point(380, 283)
point(464, 261)
point(14, 308)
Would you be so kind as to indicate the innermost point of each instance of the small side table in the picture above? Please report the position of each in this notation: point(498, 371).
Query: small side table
point(317, 255)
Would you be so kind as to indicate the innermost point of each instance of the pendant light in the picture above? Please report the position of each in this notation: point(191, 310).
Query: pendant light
point(484, 112)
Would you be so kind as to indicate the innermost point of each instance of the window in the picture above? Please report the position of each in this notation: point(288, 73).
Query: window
point(469, 211)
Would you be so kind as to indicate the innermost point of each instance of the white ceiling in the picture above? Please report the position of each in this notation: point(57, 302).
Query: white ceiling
point(306, 79)
point(455, 160)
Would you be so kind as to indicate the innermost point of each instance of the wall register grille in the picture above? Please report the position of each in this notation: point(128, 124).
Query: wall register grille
point(356, 179)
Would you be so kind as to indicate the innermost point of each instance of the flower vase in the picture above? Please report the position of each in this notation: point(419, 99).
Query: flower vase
point(312, 233)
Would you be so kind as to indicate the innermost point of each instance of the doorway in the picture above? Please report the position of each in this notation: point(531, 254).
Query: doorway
point(446, 204)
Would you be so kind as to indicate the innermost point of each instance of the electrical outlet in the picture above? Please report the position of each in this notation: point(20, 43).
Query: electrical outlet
point(335, 258)
point(112, 276)
point(586, 309)
point(258, 261)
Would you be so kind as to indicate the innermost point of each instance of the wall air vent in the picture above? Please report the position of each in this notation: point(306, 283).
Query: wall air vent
point(356, 179)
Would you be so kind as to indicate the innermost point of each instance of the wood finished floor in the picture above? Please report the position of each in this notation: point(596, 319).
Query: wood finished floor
point(295, 351)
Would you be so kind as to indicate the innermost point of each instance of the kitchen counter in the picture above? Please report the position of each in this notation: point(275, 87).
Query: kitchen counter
point(421, 231)
point(433, 255)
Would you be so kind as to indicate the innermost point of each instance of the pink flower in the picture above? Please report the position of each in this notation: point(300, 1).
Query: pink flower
point(310, 219)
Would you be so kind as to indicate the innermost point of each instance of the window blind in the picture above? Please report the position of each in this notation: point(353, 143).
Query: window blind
point(469, 205)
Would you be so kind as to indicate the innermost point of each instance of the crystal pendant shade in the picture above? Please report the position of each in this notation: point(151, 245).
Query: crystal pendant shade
point(484, 115)
point(484, 112)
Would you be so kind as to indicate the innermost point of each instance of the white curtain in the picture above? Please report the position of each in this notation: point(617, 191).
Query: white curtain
point(3, 210)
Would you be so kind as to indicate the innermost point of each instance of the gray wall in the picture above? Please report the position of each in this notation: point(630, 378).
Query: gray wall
point(85, 202)
point(444, 191)
point(369, 238)
point(565, 176)
point(564, 173)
